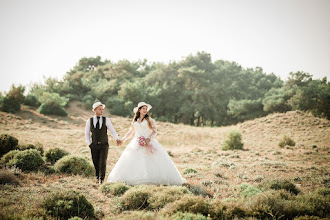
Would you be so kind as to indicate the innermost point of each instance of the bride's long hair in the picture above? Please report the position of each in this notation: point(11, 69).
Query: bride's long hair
point(146, 117)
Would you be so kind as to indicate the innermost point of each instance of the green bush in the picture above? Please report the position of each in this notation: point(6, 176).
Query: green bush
point(53, 155)
point(282, 184)
point(52, 108)
point(74, 165)
point(189, 170)
point(27, 160)
point(31, 100)
point(7, 177)
point(7, 143)
point(248, 190)
point(75, 218)
point(136, 198)
point(191, 204)
point(9, 105)
point(233, 141)
point(64, 205)
point(116, 189)
point(198, 191)
point(286, 141)
point(8, 156)
point(187, 216)
point(38, 147)
point(151, 197)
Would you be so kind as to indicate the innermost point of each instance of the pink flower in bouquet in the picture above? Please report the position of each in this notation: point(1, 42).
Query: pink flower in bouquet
point(142, 141)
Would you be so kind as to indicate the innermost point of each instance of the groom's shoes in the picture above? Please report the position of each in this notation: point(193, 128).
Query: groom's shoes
point(100, 181)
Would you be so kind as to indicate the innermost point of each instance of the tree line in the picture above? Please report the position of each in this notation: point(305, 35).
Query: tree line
point(194, 90)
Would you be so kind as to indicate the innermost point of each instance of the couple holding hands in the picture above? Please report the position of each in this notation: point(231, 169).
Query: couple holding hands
point(144, 160)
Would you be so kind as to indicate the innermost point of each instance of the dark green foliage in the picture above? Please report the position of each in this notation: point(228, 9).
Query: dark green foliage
point(233, 141)
point(31, 100)
point(187, 216)
point(52, 108)
point(74, 165)
point(27, 160)
point(12, 101)
point(276, 100)
point(245, 109)
point(116, 189)
point(198, 191)
point(53, 155)
point(281, 185)
point(117, 106)
point(8, 156)
point(7, 177)
point(64, 205)
point(7, 143)
point(191, 204)
point(286, 141)
point(284, 184)
point(189, 170)
point(10, 105)
point(151, 197)
point(37, 146)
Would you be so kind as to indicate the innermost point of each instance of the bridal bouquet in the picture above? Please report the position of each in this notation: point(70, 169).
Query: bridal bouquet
point(143, 143)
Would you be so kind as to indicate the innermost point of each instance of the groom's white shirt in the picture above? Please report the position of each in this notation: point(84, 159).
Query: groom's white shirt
point(107, 123)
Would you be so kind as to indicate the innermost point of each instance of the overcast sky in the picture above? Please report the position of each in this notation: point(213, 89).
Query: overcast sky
point(48, 37)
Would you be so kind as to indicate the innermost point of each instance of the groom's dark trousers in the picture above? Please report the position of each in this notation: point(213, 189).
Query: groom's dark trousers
point(99, 148)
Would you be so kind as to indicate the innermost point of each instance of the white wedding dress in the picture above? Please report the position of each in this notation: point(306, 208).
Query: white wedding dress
point(137, 165)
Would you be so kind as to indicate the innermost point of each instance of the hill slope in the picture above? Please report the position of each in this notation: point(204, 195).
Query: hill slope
point(219, 172)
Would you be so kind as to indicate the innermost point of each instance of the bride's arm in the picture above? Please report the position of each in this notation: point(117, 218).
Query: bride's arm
point(129, 133)
point(154, 128)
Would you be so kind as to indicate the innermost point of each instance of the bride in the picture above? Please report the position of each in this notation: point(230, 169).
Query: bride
point(144, 160)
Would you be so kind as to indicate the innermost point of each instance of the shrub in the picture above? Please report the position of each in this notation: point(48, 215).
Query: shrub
point(116, 189)
point(282, 184)
point(75, 218)
point(268, 205)
point(136, 198)
point(68, 204)
point(8, 156)
point(187, 216)
point(233, 141)
point(9, 105)
point(31, 100)
point(52, 108)
point(7, 143)
point(7, 177)
point(189, 203)
point(27, 160)
point(74, 165)
point(286, 141)
point(166, 194)
point(136, 215)
point(198, 191)
point(38, 147)
point(151, 197)
point(189, 170)
point(53, 155)
point(248, 190)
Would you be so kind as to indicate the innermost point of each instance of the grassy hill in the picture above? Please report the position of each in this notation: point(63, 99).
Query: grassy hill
point(220, 173)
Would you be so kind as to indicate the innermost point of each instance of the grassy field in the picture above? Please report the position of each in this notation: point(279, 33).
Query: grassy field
point(219, 173)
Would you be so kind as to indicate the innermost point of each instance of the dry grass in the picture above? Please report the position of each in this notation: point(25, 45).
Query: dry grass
point(219, 173)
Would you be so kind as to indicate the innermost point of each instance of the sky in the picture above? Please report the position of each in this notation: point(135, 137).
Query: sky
point(46, 38)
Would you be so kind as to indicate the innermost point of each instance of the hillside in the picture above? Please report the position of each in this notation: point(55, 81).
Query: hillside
point(219, 172)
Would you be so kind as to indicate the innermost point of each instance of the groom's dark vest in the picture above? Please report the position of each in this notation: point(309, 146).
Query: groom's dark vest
point(99, 136)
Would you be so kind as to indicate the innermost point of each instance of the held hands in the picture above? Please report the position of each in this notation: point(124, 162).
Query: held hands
point(119, 142)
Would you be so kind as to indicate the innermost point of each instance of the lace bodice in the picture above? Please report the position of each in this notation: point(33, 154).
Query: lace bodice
point(142, 129)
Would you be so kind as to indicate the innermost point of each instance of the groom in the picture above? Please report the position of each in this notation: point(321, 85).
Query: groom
point(98, 125)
